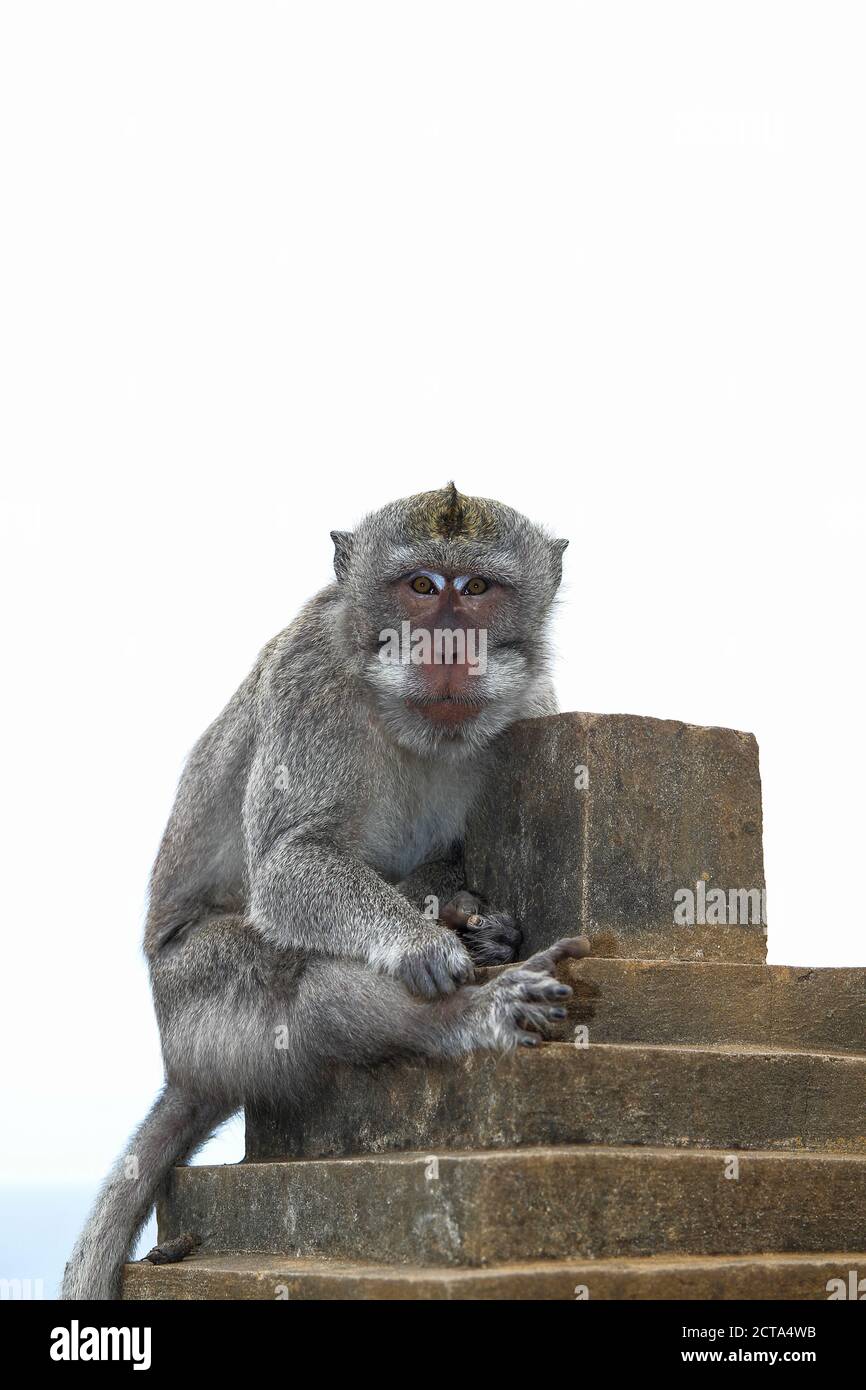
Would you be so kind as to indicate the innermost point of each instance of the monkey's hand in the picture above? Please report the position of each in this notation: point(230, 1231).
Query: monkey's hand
point(434, 965)
point(491, 938)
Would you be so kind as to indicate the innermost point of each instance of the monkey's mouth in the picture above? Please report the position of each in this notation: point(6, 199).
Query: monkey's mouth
point(446, 709)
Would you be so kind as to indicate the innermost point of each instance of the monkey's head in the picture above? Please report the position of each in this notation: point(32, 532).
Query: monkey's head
point(445, 604)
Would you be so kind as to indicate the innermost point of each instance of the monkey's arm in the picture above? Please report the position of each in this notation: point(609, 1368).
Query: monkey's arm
point(312, 894)
point(309, 888)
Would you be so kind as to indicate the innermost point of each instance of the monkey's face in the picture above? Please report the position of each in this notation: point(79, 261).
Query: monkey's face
point(444, 632)
point(452, 648)
point(452, 666)
point(450, 631)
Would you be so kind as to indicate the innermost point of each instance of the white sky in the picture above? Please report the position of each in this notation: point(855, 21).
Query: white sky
point(263, 267)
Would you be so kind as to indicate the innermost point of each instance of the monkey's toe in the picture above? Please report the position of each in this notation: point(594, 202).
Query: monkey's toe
point(573, 947)
point(525, 1003)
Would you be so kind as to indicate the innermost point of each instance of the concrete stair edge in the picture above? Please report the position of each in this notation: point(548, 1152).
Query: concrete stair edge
point(761, 1275)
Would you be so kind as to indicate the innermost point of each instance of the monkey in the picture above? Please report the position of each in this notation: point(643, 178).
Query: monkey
point(309, 882)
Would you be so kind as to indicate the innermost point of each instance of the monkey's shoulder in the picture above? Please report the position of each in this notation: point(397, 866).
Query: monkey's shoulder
point(313, 656)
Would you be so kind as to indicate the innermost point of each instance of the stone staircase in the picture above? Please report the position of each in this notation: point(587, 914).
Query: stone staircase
point(696, 1130)
point(605, 1167)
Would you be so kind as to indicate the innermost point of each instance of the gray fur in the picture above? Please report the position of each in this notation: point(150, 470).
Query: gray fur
point(285, 930)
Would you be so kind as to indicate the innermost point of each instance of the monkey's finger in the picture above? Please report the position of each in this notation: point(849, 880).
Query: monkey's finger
point(552, 989)
point(443, 981)
point(418, 980)
point(440, 982)
point(465, 972)
point(457, 912)
point(573, 947)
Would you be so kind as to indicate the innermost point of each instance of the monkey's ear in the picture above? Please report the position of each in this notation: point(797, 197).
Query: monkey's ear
point(342, 553)
point(556, 550)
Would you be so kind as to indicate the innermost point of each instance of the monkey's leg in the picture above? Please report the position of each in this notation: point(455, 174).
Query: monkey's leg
point(224, 1000)
point(347, 1013)
point(245, 1022)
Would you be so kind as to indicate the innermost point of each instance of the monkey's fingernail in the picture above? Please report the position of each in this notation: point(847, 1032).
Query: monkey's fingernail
point(557, 1013)
point(560, 991)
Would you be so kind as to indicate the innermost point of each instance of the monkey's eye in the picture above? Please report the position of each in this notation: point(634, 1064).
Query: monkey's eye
point(476, 586)
point(422, 585)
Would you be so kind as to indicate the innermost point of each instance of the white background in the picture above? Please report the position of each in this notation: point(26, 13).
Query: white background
point(265, 266)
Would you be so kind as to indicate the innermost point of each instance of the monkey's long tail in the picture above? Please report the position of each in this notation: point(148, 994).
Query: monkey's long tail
point(176, 1126)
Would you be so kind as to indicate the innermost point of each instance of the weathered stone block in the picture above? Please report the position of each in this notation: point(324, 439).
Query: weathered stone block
point(706, 1002)
point(523, 1204)
point(707, 1097)
point(596, 823)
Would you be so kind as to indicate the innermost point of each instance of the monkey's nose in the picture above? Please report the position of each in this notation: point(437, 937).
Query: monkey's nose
point(447, 678)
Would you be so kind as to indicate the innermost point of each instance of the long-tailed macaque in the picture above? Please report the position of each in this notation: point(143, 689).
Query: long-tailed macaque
point(316, 831)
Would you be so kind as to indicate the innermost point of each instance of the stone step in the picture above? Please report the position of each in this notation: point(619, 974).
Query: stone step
point(717, 1002)
point(722, 1097)
point(277, 1277)
point(524, 1205)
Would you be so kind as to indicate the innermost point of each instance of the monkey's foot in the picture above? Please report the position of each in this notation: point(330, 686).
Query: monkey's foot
point(491, 938)
point(519, 1006)
point(171, 1252)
